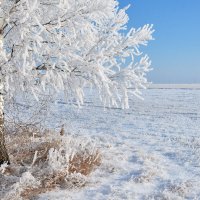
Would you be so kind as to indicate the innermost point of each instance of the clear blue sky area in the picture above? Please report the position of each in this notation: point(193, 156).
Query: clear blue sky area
point(175, 52)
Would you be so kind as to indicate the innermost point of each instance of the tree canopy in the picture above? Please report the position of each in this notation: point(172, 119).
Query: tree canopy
point(67, 45)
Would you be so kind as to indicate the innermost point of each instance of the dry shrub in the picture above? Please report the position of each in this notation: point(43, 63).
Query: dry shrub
point(30, 151)
point(79, 164)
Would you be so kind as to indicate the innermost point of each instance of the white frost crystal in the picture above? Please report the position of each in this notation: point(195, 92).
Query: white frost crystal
point(67, 45)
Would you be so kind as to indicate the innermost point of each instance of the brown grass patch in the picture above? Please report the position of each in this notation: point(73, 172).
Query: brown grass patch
point(29, 151)
point(79, 164)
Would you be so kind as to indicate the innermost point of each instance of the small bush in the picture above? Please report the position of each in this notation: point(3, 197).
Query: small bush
point(47, 160)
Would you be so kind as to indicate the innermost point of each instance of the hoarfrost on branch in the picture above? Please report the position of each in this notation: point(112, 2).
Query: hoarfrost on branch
point(67, 45)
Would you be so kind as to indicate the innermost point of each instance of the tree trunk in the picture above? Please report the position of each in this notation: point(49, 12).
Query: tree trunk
point(3, 151)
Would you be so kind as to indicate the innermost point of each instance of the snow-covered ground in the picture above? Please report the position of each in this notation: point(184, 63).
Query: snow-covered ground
point(150, 151)
point(174, 86)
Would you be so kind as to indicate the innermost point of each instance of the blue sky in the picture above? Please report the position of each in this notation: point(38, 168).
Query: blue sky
point(175, 52)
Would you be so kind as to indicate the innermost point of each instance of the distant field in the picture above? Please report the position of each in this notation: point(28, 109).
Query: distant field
point(174, 86)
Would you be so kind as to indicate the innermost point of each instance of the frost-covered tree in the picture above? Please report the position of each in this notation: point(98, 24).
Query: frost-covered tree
point(67, 45)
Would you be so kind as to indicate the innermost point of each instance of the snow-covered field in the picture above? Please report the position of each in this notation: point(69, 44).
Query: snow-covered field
point(150, 151)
